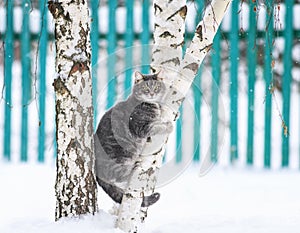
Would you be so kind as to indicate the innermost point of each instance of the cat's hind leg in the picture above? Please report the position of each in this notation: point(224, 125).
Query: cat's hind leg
point(114, 192)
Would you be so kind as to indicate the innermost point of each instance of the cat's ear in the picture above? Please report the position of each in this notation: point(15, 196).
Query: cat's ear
point(138, 77)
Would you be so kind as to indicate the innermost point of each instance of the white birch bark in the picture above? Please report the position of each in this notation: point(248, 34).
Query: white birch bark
point(76, 190)
point(167, 53)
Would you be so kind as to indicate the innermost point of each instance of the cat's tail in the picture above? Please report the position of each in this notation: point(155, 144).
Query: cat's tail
point(117, 194)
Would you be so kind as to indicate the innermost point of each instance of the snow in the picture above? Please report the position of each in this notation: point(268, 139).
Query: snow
point(224, 200)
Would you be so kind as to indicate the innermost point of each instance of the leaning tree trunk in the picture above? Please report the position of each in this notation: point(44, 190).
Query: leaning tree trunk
point(76, 190)
point(167, 56)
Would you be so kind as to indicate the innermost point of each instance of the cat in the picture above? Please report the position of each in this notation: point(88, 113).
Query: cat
point(123, 131)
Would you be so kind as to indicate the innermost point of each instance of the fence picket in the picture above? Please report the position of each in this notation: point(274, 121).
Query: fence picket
point(42, 79)
point(8, 63)
point(197, 95)
point(111, 46)
point(251, 60)
point(129, 36)
point(286, 80)
point(145, 37)
point(234, 52)
point(197, 116)
point(269, 83)
point(216, 73)
point(26, 75)
point(94, 66)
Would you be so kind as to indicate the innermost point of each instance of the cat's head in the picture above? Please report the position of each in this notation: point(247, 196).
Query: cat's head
point(148, 88)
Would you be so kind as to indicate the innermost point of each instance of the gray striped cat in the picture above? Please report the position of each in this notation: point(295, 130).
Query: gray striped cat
point(123, 131)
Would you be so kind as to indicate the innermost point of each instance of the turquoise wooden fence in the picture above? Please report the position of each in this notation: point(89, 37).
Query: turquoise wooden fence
point(106, 43)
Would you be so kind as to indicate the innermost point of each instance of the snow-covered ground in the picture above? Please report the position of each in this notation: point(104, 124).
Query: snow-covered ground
point(224, 200)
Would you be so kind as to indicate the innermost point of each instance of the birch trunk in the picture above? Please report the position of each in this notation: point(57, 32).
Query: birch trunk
point(76, 190)
point(179, 73)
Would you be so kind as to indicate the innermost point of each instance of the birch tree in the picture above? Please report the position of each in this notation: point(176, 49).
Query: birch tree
point(75, 187)
point(167, 57)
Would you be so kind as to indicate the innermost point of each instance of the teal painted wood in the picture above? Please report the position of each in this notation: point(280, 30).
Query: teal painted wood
point(129, 36)
point(197, 117)
point(179, 137)
point(42, 79)
point(234, 41)
point(269, 84)
point(251, 59)
point(287, 78)
point(111, 61)
point(8, 62)
point(216, 72)
point(145, 37)
point(26, 82)
point(94, 66)
point(197, 95)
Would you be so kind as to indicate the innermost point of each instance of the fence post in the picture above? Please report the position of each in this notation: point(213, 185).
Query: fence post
point(234, 41)
point(111, 46)
point(94, 44)
point(286, 80)
point(8, 62)
point(251, 60)
point(269, 83)
point(42, 76)
point(26, 82)
point(128, 44)
point(216, 64)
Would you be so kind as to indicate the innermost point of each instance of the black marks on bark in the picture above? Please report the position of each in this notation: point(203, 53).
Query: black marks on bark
point(80, 67)
point(80, 163)
point(153, 70)
point(182, 12)
point(156, 51)
point(128, 195)
point(199, 32)
point(206, 48)
point(157, 8)
point(174, 92)
point(73, 145)
point(175, 46)
point(175, 60)
point(63, 30)
point(150, 171)
point(192, 66)
point(177, 115)
point(57, 10)
point(166, 34)
point(82, 42)
point(60, 87)
point(179, 101)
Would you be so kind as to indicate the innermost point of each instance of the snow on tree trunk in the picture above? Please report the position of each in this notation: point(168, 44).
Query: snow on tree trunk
point(76, 190)
point(167, 56)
